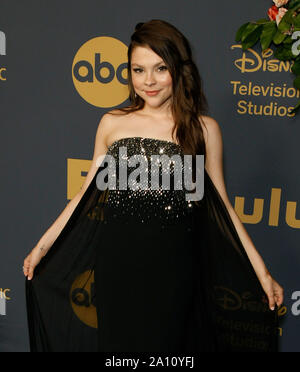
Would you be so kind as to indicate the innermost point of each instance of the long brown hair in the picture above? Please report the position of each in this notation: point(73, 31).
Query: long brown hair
point(189, 101)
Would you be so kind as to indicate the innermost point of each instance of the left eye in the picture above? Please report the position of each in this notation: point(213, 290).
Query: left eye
point(160, 68)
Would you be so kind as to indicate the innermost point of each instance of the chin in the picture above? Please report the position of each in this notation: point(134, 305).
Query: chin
point(152, 104)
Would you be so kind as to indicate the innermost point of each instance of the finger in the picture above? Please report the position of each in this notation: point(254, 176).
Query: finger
point(279, 300)
point(26, 264)
point(279, 294)
point(271, 302)
point(25, 270)
point(30, 273)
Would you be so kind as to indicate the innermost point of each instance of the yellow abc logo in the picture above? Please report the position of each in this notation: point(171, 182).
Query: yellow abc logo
point(82, 298)
point(99, 72)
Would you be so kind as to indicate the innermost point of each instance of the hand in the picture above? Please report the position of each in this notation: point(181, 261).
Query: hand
point(273, 291)
point(31, 261)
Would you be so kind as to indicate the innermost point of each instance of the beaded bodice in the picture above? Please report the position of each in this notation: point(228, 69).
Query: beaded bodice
point(145, 203)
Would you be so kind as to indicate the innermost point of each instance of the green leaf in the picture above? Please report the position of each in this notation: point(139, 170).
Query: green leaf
point(296, 67)
point(296, 108)
point(284, 26)
point(279, 37)
point(293, 4)
point(284, 53)
point(297, 20)
point(240, 31)
point(286, 21)
point(263, 21)
point(296, 82)
point(268, 32)
point(248, 30)
point(252, 38)
point(288, 17)
point(288, 40)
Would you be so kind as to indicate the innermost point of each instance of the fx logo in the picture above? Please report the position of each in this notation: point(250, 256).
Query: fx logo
point(2, 44)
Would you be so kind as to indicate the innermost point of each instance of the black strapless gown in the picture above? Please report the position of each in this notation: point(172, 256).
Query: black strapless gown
point(148, 271)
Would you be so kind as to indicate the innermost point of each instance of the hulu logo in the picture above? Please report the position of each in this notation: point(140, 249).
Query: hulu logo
point(273, 210)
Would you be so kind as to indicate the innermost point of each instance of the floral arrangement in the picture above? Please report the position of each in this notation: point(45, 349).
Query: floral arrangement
point(282, 28)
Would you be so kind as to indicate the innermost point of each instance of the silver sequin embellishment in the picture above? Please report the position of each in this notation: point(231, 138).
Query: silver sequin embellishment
point(162, 206)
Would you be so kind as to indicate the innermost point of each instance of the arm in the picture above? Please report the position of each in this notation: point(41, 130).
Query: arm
point(214, 167)
point(47, 240)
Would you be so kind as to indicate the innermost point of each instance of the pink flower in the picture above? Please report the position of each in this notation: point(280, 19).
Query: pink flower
point(279, 3)
point(280, 15)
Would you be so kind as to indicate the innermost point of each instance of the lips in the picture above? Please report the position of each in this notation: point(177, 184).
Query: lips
point(152, 92)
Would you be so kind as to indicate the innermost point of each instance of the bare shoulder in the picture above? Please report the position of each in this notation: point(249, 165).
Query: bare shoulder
point(115, 112)
point(210, 123)
point(108, 123)
point(111, 116)
point(211, 129)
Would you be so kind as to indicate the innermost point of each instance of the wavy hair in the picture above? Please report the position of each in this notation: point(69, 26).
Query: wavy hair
point(189, 101)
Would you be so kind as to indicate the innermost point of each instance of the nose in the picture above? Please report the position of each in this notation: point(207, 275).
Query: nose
point(149, 79)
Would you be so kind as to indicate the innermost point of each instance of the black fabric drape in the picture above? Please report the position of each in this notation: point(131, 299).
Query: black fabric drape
point(232, 310)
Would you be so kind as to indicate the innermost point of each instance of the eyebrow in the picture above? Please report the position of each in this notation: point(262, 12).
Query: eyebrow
point(136, 64)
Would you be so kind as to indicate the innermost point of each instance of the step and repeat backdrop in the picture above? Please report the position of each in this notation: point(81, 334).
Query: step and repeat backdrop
point(64, 64)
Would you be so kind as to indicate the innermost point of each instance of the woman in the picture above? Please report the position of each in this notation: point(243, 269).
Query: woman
point(131, 270)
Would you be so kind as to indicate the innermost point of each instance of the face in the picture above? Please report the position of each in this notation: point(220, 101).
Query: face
point(149, 74)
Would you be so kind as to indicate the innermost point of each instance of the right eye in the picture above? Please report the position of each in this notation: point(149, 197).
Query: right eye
point(137, 70)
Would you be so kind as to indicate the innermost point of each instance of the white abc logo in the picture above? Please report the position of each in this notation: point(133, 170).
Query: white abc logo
point(2, 44)
point(2, 306)
point(296, 44)
point(296, 305)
